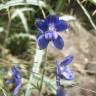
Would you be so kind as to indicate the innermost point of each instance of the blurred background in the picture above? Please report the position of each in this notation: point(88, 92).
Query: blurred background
point(17, 41)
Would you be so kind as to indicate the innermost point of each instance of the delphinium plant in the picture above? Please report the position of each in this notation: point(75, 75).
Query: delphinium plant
point(63, 72)
point(15, 79)
point(48, 30)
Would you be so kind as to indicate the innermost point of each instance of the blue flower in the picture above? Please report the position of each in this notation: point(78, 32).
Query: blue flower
point(60, 92)
point(16, 79)
point(64, 71)
point(49, 29)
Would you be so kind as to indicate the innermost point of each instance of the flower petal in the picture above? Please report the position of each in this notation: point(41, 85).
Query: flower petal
point(51, 35)
point(15, 71)
point(42, 42)
point(58, 43)
point(60, 92)
point(55, 35)
point(61, 25)
point(16, 90)
point(67, 74)
point(17, 80)
point(9, 81)
point(67, 60)
point(52, 19)
point(18, 84)
point(41, 25)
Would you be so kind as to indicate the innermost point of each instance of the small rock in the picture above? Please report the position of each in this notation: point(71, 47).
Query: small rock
point(91, 68)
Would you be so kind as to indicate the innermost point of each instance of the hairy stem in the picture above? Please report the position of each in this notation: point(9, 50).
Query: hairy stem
point(42, 78)
point(35, 69)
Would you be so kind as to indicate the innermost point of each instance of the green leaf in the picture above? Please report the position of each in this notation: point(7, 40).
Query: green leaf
point(93, 1)
point(24, 35)
point(51, 83)
point(21, 2)
point(20, 12)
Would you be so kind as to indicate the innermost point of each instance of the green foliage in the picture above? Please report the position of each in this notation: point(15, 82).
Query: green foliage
point(21, 2)
point(18, 45)
point(20, 13)
point(93, 1)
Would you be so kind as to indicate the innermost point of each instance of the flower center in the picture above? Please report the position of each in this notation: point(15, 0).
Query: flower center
point(51, 27)
point(51, 33)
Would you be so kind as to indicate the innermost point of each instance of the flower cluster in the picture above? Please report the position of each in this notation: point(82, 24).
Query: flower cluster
point(16, 79)
point(48, 31)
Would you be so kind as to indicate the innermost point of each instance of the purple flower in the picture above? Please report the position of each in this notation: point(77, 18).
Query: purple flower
point(49, 29)
point(64, 71)
point(16, 79)
point(60, 92)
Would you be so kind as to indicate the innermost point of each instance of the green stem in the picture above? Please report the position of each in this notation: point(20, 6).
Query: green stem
point(35, 69)
point(51, 83)
point(4, 92)
point(42, 11)
point(87, 14)
point(44, 64)
point(60, 6)
point(9, 24)
point(8, 28)
point(45, 59)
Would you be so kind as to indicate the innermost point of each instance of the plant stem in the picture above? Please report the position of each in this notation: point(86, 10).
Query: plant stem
point(4, 92)
point(59, 4)
point(8, 28)
point(35, 69)
point(36, 66)
point(87, 14)
point(44, 64)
